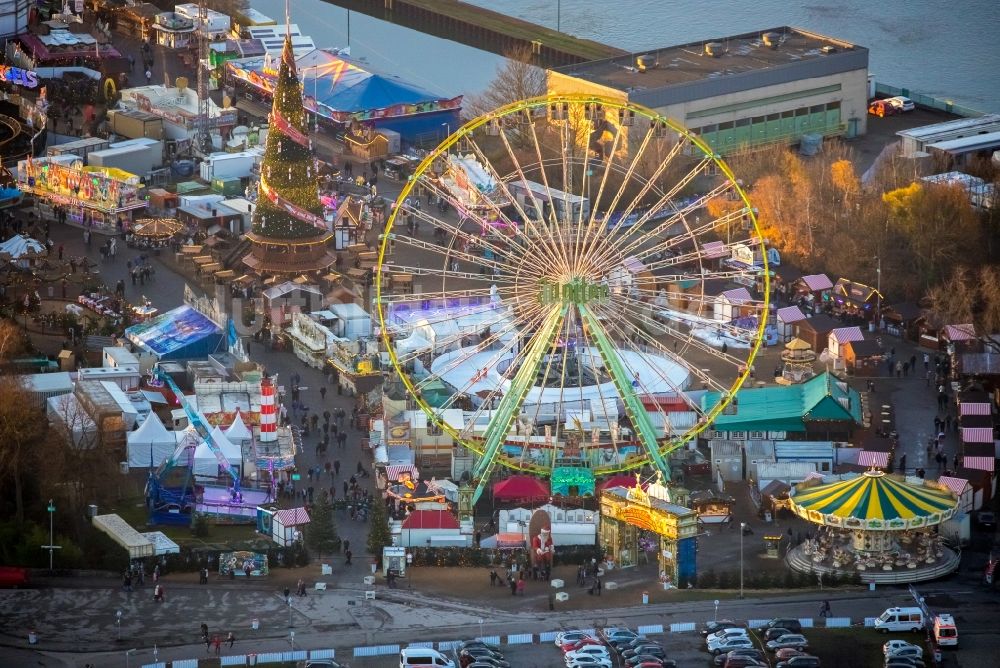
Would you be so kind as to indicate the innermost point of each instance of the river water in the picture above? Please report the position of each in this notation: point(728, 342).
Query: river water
point(945, 49)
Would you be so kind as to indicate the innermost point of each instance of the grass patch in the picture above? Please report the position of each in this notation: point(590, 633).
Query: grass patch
point(133, 511)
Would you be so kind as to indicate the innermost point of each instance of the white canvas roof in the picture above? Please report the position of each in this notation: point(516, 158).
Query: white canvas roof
point(205, 461)
point(150, 444)
point(237, 431)
point(122, 533)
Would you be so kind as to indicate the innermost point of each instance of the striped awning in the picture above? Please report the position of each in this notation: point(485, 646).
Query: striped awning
point(977, 408)
point(956, 485)
point(977, 434)
point(874, 501)
point(873, 458)
point(965, 332)
point(790, 314)
point(979, 463)
point(714, 250)
point(291, 517)
point(817, 282)
point(846, 334)
point(396, 471)
point(737, 296)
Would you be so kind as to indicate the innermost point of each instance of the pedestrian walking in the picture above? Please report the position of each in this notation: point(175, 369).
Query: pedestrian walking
point(217, 644)
point(149, 77)
point(322, 394)
point(336, 467)
point(230, 639)
point(824, 609)
point(347, 557)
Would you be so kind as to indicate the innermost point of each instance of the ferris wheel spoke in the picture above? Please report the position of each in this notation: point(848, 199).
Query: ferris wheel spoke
point(699, 297)
point(626, 384)
point(467, 293)
point(552, 224)
point(510, 325)
point(689, 339)
point(434, 272)
point(456, 232)
point(458, 360)
point(725, 250)
point(592, 226)
point(630, 241)
point(629, 172)
point(490, 362)
point(614, 235)
point(542, 240)
point(627, 335)
point(449, 254)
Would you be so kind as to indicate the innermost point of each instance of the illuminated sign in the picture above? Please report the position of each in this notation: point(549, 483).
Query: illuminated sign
point(19, 77)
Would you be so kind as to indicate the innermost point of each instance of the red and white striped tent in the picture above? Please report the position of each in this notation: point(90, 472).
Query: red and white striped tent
point(975, 408)
point(873, 458)
point(977, 434)
point(817, 282)
point(979, 463)
point(965, 332)
point(961, 488)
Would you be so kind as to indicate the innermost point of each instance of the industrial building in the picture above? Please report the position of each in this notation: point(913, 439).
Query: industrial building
point(752, 89)
point(917, 142)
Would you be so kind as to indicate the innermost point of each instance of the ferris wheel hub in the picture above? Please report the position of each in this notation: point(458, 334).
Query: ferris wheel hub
point(575, 291)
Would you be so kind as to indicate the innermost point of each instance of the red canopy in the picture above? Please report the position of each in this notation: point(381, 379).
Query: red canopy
point(620, 480)
point(520, 488)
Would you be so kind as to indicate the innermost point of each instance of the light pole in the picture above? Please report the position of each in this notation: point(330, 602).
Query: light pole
point(481, 634)
point(716, 617)
point(743, 526)
point(290, 623)
point(118, 623)
point(51, 547)
point(128, 653)
point(878, 293)
point(447, 129)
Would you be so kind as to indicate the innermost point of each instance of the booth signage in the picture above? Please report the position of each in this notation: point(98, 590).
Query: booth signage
point(18, 76)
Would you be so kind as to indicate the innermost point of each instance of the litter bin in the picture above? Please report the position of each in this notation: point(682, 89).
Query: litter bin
point(645, 598)
point(32, 638)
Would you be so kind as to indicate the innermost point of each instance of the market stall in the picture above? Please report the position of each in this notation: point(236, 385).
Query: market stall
point(98, 199)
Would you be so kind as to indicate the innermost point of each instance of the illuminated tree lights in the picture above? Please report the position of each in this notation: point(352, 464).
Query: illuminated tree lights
point(289, 205)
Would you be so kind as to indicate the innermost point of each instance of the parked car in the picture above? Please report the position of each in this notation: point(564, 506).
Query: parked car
point(574, 645)
point(730, 644)
point(744, 662)
point(793, 640)
point(793, 625)
point(491, 661)
point(625, 643)
point(776, 632)
point(893, 646)
point(618, 635)
point(640, 659)
point(481, 653)
point(751, 652)
point(563, 636)
point(724, 634)
point(912, 651)
point(800, 661)
point(904, 662)
point(645, 650)
point(718, 625)
point(589, 662)
point(881, 108)
point(787, 653)
point(480, 643)
point(901, 103)
point(589, 650)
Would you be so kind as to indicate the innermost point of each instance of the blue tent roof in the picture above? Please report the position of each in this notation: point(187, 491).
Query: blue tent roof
point(344, 85)
point(178, 334)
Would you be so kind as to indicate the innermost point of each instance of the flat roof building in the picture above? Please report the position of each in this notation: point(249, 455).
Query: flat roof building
point(917, 140)
point(751, 89)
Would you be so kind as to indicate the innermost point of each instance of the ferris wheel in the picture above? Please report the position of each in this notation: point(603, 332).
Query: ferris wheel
point(554, 292)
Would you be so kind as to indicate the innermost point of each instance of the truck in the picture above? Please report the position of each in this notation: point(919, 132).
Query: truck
point(945, 631)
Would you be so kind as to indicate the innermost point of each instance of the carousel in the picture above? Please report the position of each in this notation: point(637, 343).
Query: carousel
point(878, 526)
point(153, 232)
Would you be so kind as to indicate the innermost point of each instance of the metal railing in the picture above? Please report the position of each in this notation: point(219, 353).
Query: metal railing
point(927, 101)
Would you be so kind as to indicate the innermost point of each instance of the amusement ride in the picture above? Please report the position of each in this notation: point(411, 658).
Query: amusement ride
point(570, 299)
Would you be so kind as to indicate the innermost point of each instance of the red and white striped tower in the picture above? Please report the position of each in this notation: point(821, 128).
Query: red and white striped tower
point(268, 412)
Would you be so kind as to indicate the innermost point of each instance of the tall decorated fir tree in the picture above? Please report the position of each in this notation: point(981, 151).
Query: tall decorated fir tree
point(288, 205)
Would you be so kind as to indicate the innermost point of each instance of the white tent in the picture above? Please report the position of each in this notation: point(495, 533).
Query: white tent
point(205, 461)
point(237, 432)
point(22, 249)
point(150, 444)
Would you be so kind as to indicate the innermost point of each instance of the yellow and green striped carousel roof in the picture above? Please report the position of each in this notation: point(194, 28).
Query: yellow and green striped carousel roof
point(874, 501)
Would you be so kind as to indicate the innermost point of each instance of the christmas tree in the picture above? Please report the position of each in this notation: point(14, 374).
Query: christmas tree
point(379, 534)
point(321, 534)
point(288, 205)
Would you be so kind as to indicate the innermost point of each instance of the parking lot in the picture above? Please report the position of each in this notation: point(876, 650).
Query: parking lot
point(836, 648)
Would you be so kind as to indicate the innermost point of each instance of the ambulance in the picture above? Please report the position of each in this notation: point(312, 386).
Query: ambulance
point(945, 631)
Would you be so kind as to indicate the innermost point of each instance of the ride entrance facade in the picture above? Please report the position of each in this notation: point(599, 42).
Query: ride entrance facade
point(576, 287)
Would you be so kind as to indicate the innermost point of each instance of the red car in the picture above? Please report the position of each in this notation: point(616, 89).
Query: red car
point(12, 576)
point(577, 644)
point(787, 653)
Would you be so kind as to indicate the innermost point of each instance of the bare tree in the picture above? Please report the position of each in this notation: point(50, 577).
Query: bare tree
point(517, 79)
point(22, 427)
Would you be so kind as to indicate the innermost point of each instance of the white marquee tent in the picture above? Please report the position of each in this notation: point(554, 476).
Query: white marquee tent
point(238, 432)
point(150, 444)
point(205, 461)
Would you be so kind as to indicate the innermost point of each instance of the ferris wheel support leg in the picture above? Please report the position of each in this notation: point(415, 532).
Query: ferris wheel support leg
point(623, 383)
point(510, 404)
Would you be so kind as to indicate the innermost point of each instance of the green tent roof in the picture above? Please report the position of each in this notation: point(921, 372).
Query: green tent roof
point(789, 407)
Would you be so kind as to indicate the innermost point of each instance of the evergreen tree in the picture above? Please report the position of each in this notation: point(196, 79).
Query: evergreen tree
point(288, 205)
point(379, 535)
point(321, 534)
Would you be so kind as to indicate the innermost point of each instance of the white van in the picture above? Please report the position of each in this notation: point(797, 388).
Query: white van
point(416, 656)
point(945, 631)
point(900, 619)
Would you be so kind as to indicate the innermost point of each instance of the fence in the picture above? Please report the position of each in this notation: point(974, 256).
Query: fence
point(927, 100)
